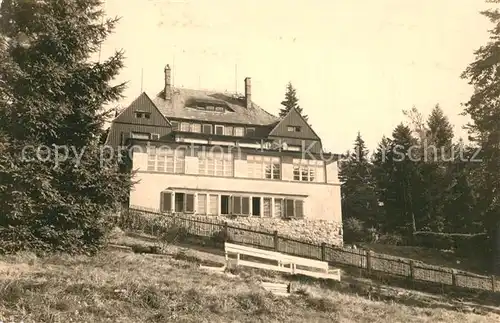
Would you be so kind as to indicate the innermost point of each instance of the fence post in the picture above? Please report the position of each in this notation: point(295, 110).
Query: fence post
point(323, 251)
point(493, 283)
point(275, 237)
point(454, 277)
point(369, 261)
point(412, 270)
point(226, 233)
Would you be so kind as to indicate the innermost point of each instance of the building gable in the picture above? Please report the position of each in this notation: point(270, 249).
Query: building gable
point(293, 125)
point(142, 111)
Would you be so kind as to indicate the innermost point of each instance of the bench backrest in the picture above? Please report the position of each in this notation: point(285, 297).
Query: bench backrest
point(234, 248)
point(307, 262)
point(254, 252)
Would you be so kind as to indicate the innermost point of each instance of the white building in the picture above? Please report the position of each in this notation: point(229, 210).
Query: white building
point(215, 153)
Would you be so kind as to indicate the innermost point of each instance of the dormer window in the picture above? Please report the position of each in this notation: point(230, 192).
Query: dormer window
point(142, 115)
point(219, 109)
point(293, 129)
point(210, 108)
point(175, 125)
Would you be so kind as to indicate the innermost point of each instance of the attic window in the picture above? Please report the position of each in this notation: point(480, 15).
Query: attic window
point(219, 109)
point(175, 125)
point(293, 129)
point(142, 115)
point(210, 108)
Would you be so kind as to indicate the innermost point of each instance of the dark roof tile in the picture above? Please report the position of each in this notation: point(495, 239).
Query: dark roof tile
point(176, 108)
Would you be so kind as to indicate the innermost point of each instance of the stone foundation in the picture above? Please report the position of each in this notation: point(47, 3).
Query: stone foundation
point(312, 231)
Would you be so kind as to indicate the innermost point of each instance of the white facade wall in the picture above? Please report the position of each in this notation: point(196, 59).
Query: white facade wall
point(321, 201)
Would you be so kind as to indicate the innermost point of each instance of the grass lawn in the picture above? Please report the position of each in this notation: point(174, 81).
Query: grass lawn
point(126, 287)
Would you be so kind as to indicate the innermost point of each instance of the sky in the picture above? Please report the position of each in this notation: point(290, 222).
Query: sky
point(356, 64)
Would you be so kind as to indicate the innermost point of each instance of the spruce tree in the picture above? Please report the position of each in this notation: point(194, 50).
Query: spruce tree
point(439, 127)
point(52, 97)
point(484, 131)
point(396, 175)
point(359, 198)
point(291, 101)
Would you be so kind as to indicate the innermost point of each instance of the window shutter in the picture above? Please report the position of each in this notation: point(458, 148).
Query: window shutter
point(245, 205)
point(125, 136)
point(189, 207)
point(166, 202)
point(289, 208)
point(299, 209)
point(236, 204)
point(202, 204)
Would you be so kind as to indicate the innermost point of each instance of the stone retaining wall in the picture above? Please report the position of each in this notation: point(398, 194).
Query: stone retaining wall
point(312, 231)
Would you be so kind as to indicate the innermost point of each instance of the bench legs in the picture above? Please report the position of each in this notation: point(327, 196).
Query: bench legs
point(228, 260)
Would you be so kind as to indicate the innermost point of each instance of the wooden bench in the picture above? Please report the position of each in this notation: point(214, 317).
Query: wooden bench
point(283, 263)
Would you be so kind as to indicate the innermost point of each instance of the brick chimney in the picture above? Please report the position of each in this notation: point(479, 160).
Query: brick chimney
point(248, 92)
point(167, 91)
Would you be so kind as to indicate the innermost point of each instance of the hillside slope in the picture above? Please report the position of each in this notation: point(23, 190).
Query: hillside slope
point(125, 287)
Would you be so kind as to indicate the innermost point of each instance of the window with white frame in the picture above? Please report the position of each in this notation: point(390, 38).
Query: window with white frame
point(308, 170)
point(166, 160)
point(185, 126)
point(239, 131)
point(240, 205)
point(228, 131)
point(215, 163)
point(213, 204)
point(288, 208)
point(140, 135)
point(219, 130)
point(264, 167)
point(202, 204)
point(195, 127)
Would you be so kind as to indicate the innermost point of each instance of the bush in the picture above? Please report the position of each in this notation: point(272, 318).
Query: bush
point(354, 231)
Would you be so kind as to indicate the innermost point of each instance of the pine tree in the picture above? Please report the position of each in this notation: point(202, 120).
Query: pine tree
point(51, 93)
point(359, 199)
point(291, 101)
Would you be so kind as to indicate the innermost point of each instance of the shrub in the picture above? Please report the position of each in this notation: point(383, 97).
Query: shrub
point(354, 231)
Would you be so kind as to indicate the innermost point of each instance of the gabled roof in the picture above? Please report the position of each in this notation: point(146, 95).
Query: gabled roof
point(176, 108)
point(293, 117)
point(143, 103)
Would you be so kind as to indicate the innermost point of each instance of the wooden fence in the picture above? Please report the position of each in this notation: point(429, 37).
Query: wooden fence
point(216, 231)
